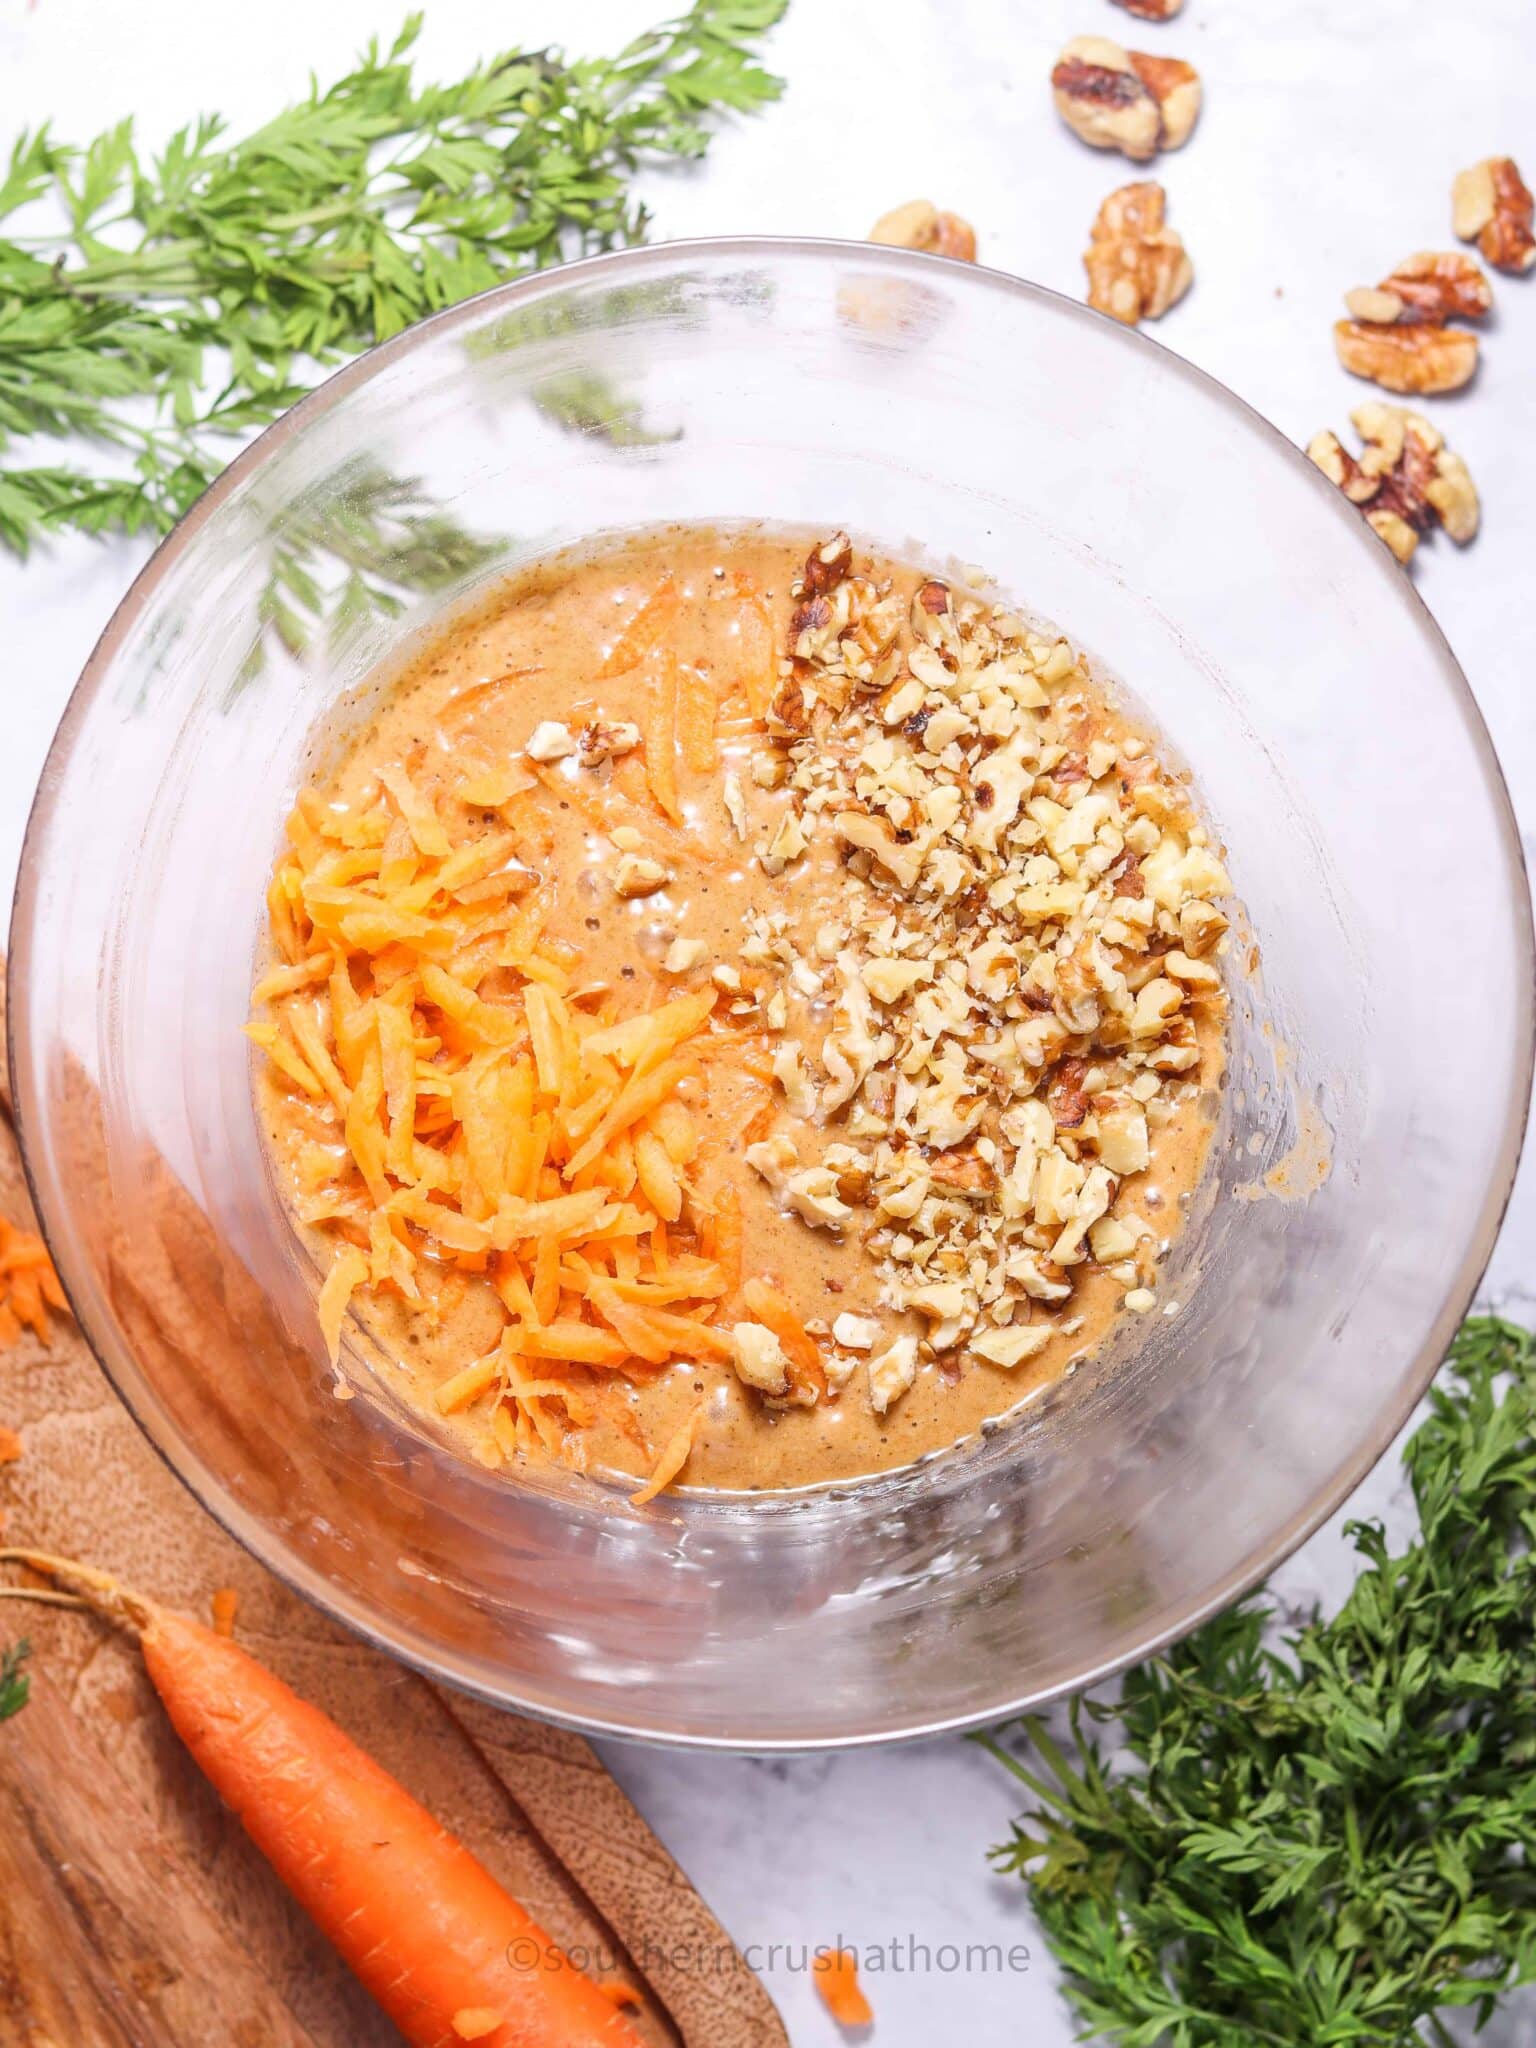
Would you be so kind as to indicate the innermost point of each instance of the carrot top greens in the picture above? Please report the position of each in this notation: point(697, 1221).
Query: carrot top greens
point(194, 296)
point(14, 1682)
point(1334, 1840)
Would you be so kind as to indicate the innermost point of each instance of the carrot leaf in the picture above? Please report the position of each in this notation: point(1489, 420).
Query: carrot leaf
point(15, 1685)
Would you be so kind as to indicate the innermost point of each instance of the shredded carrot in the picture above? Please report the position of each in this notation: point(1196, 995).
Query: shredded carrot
point(644, 629)
point(837, 1979)
point(349, 1271)
point(10, 1447)
point(658, 728)
point(759, 656)
point(658, 1177)
point(673, 1458)
point(468, 1385)
point(546, 1278)
point(225, 1605)
point(696, 720)
point(727, 1237)
point(676, 1129)
point(570, 1343)
point(464, 1114)
point(29, 1286)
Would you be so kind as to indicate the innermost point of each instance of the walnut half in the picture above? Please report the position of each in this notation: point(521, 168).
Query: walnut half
point(1137, 268)
point(1124, 99)
point(1405, 481)
point(1492, 205)
point(1397, 334)
point(1418, 361)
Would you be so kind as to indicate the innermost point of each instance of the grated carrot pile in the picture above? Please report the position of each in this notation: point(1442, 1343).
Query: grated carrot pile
point(472, 1113)
point(29, 1286)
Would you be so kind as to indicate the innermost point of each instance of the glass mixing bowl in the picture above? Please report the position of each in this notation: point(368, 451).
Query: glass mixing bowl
point(1381, 1041)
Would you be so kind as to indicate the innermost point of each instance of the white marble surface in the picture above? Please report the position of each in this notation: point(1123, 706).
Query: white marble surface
point(1331, 133)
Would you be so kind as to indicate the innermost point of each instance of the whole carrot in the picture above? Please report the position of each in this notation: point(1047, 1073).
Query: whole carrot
point(420, 1922)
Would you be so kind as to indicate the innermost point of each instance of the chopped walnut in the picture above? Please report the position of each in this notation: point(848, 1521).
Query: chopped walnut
point(1493, 206)
point(1011, 1346)
point(634, 875)
point(827, 565)
point(550, 741)
point(920, 225)
point(1405, 481)
point(603, 739)
point(1397, 335)
point(1024, 949)
point(1137, 268)
point(1113, 98)
point(759, 1359)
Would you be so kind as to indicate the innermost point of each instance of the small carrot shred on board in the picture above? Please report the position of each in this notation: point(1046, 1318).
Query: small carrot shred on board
point(419, 1920)
point(837, 1979)
point(29, 1286)
point(225, 1605)
point(10, 1447)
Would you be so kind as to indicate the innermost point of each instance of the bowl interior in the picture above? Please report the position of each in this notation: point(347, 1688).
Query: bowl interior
point(1381, 1042)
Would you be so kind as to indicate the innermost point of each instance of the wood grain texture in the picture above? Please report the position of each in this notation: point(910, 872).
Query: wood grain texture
point(133, 1910)
point(587, 1820)
point(106, 1939)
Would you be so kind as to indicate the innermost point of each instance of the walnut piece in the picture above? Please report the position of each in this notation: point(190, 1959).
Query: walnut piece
point(1397, 335)
point(1406, 479)
point(759, 1360)
point(1429, 287)
point(920, 225)
point(1137, 268)
point(1125, 99)
point(1416, 359)
point(1492, 205)
point(634, 875)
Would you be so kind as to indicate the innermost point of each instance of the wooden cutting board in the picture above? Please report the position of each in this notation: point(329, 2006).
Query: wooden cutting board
point(133, 1911)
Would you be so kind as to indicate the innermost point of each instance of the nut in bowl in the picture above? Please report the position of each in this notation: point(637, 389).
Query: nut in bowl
point(1312, 1278)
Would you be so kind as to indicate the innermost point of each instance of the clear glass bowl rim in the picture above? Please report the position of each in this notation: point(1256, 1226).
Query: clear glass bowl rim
point(627, 266)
